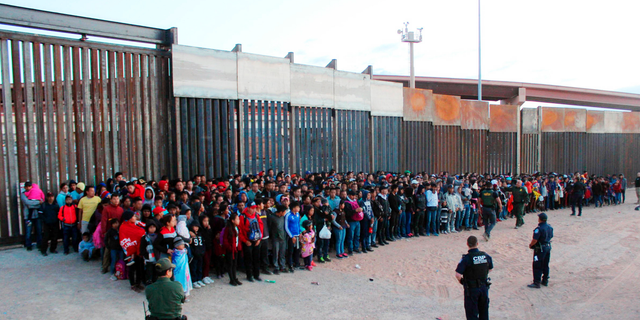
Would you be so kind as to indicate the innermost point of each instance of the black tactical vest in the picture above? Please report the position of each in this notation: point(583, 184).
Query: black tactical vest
point(477, 266)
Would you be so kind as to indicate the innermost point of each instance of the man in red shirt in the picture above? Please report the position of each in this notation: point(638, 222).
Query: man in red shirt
point(250, 234)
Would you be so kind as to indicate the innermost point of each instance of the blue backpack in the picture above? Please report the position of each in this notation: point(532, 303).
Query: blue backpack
point(254, 233)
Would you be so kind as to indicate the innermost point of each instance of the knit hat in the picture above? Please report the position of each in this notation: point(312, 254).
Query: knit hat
point(105, 194)
point(127, 215)
point(177, 241)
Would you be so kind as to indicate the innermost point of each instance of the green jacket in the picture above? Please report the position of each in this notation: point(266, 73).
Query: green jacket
point(165, 298)
point(520, 195)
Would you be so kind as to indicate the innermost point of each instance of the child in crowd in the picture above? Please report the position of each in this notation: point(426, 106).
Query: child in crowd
point(308, 240)
point(340, 232)
point(197, 250)
point(232, 247)
point(87, 250)
point(292, 227)
point(148, 253)
point(207, 238)
point(67, 215)
point(112, 243)
point(181, 272)
point(183, 231)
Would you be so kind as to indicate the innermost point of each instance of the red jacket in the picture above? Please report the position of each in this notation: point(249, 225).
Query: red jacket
point(68, 214)
point(230, 242)
point(138, 192)
point(617, 188)
point(109, 212)
point(244, 227)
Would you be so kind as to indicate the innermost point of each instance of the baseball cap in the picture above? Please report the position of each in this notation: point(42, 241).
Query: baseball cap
point(80, 186)
point(542, 216)
point(164, 264)
point(414, 181)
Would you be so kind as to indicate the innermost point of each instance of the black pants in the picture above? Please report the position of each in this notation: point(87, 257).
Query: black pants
point(232, 265)
point(541, 264)
point(150, 273)
point(476, 303)
point(382, 230)
point(251, 259)
point(293, 254)
point(136, 271)
point(393, 224)
point(218, 263)
point(49, 235)
point(577, 201)
point(418, 222)
point(196, 267)
point(264, 254)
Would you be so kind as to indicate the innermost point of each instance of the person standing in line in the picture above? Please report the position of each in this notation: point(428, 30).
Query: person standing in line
point(623, 186)
point(472, 272)
point(577, 193)
point(50, 225)
point(541, 245)
point(637, 184)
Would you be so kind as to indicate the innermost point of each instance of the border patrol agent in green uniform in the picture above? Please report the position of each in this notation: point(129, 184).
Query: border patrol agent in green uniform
point(489, 200)
point(520, 200)
point(165, 296)
point(472, 272)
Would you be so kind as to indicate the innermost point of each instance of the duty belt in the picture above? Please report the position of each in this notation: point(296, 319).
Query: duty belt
point(472, 284)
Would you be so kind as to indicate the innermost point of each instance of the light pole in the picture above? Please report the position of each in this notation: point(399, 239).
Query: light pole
point(479, 58)
point(411, 38)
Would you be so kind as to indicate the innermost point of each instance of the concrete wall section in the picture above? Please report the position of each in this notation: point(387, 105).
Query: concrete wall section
point(446, 111)
point(474, 115)
point(612, 122)
point(552, 119)
point(311, 86)
point(386, 98)
point(595, 121)
point(529, 120)
point(204, 73)
point(417, 104)
point(503, 118)
point(631, 122)
point(352, 91)
point(263, 78)
point(575, 120)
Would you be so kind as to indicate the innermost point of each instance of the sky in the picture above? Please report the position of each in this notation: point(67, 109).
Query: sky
point(589, 44)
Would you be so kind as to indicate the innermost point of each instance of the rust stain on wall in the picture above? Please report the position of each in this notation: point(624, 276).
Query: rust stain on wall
point(575, 120)
point(447, 110)
point(503, 118)
point(595, 121)
point(552, 119)
point(417, 104)
point(631, 122)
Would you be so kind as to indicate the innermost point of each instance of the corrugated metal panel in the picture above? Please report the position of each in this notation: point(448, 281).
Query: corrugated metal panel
point(387, 141)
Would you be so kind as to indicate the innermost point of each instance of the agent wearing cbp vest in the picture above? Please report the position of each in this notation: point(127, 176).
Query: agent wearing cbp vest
point(541, 245)
point(472, 272)
point(489, 199)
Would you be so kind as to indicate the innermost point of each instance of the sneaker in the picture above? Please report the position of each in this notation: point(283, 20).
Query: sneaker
point(44, 254)
point(436, 234)
point(534, 286)
point(250, 279)
point(196, 285)
point(339, 256)
point(258, 279)
point(313, 264)
point(309, 268)
point(113, 277)
point(266, 271)
point(369, 249)
point(321, 260)
point(357, 251)
point(202, 284)
point(208, 280)
point(327, 259)
point(485, 236)
point(276, 272)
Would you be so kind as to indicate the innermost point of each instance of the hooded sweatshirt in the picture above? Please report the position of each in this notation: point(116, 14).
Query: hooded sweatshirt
point(130, 237)
point(147, 200)
point(182, 230)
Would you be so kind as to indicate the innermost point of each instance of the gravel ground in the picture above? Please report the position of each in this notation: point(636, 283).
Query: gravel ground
point(594, 274)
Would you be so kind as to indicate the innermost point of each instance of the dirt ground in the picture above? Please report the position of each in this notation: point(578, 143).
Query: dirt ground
point(594, 275)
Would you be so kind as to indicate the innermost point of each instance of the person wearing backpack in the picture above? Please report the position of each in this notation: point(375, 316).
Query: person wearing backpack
point(250, 233)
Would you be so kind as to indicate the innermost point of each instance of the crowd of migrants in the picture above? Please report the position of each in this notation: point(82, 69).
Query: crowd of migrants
point(269, 221)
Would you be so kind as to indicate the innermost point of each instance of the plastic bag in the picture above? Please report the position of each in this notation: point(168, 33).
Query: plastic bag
point(325, 233)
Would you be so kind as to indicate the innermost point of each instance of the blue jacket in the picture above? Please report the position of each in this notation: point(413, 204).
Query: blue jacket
point(85, 245)
point(292, 224)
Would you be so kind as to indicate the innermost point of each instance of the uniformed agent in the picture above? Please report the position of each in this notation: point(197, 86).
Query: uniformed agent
point(490, 200)
point(472, 272)
point(520, 200)
point(165, 296)
point(541, 245)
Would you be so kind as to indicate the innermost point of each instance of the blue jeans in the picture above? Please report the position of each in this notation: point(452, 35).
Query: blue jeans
point(551, 201)
point(597, 199)
point(340, 235)
point(407, 224)
point(31, 224)
point(364, 234)
point(503, 213)
point(69, 231)
point(324, 247)
point(375, 230)
point(116, 255)
point(402, 220)
point(433, 220)
point(466, 214)
point(489, 220)
point(353, 235)
point(618, 200)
